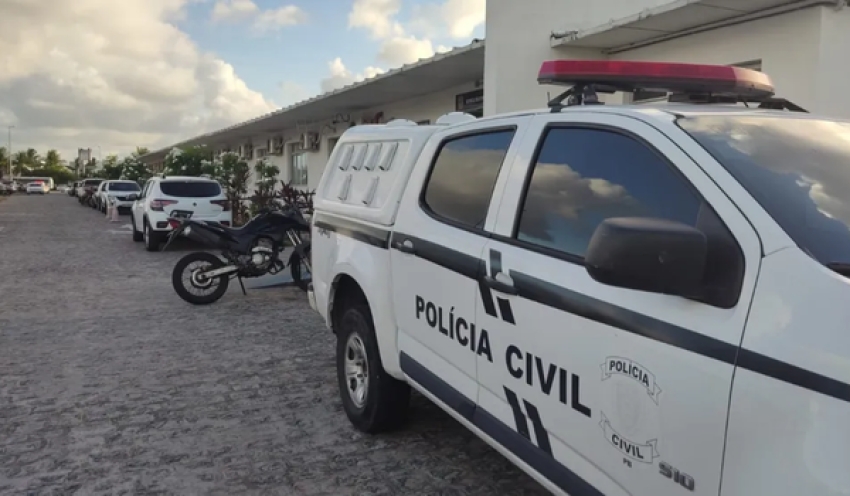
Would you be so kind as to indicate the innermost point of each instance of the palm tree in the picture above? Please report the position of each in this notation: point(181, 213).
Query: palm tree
point(32, 157)
point(140, 150)
point(20, 162)
point(4, 160)
point(52, 159)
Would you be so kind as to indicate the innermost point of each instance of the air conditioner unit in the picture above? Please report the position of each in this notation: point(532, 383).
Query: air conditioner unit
point(276, 147)
point(310, 141)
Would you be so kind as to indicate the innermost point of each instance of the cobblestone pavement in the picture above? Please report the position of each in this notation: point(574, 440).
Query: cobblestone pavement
point(110, 384)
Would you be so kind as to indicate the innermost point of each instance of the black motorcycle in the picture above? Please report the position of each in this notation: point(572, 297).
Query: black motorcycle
point(252, 250)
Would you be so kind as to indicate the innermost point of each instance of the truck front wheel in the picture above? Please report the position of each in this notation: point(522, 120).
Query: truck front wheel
point(373, 400)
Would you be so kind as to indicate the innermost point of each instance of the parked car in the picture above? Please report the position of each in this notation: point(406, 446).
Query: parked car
point(640, 299)
point(72, 189)
point(36, 188)
point(89, 185)
point(164, 197)
point(116, 192)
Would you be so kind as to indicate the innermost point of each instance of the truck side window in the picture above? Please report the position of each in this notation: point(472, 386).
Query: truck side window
point(583, 176)
point(463, 176)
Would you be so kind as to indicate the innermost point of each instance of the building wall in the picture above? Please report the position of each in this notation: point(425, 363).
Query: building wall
point(803, 52)
point(427, 107)
point(790, 65)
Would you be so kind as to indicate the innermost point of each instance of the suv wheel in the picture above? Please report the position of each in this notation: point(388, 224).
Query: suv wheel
point(151, 237)
point(373, 400)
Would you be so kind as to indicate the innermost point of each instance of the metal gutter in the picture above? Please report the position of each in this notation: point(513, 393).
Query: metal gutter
point(570, 39)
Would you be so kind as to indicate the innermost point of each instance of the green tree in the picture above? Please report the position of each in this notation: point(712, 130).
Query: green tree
point(19, 163)
point(90, 168)
point(32, 157)
point(233, 173)
point(266, 181)
point(110, 167)
point(59, 173)
point(191, 161)
point(4, 161)
point(140, 150)
point(134, 170)
point(52, 159)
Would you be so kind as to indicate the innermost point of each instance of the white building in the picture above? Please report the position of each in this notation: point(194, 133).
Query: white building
point(801, 45)
point(421, 92)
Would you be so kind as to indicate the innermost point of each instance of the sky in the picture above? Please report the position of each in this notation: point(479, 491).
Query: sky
point(115, 74)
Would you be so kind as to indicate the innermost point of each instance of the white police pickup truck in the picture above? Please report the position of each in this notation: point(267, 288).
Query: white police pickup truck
point(622, 300)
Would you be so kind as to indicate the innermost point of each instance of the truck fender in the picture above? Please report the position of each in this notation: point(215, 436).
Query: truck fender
point(381, 307)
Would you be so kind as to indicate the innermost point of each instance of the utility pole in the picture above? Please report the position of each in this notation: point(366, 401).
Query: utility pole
point(10, 149)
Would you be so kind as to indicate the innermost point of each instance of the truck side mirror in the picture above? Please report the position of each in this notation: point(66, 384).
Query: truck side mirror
point(648, 254)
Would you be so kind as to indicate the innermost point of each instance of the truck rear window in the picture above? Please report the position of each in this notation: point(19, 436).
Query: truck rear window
point(463, 176)
point(797, 168)
point(190, 189)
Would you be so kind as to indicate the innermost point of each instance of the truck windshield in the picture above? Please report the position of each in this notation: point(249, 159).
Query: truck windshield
point(797, 168)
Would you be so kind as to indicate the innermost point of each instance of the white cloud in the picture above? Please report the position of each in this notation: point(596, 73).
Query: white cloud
point(68, 79)
point(405, 43)
point(288, 15)
point(456, 19)
point(291, 93)
point(264, 20)
point(233, 10)
point(400, 50)
point(377, 16)
point(340, 76)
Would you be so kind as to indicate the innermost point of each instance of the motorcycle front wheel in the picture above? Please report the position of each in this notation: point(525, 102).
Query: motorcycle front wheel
point(301, 275)
point(193, 287)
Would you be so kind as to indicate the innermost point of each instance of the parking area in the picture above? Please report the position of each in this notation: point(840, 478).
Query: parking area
point(111, 384)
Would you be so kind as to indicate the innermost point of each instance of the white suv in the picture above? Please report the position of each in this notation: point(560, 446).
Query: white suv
point(117, 192)
point(163, 198)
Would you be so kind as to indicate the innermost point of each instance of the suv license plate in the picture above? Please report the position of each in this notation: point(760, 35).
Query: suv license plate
point(180, 214)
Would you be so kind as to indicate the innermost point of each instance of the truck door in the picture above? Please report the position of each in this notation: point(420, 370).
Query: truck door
point(608, 390)
point(441, 230)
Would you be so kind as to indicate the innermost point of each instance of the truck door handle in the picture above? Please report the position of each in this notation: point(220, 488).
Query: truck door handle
point(502, 283)
point(405, 246)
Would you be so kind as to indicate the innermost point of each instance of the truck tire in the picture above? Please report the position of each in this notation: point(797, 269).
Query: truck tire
point(373, 400)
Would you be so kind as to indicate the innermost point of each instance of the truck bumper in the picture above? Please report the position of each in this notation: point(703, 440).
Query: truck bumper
point(311, 297)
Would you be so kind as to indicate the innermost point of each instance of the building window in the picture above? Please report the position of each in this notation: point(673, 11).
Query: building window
point(471, 102)
point(585, 176)
point(298, 166)
point(462, 179)
point(262, 152)
point(332, 144)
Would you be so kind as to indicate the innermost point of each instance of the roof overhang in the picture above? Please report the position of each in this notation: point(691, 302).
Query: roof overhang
point(440, 72)
point(675, 19)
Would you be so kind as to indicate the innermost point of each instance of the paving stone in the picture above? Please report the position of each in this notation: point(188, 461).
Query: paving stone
point(110, 384)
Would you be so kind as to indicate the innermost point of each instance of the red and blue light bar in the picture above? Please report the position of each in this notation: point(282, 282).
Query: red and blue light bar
point(627, 75)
